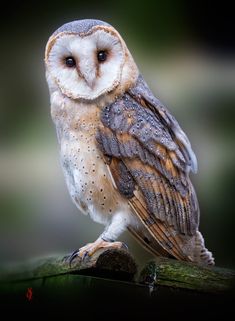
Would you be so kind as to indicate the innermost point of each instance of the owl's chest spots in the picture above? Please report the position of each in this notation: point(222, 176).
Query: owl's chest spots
point(86, 173)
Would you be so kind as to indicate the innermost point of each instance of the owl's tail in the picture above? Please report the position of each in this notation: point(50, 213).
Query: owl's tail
point(201, 254)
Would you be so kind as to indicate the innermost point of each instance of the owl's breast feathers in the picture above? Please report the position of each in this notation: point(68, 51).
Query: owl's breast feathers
point(150, 158)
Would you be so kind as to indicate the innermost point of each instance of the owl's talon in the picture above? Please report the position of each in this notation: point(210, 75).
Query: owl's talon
point(85, 255)
point(74, 255)
point(67, 258)
point(88, 250)
point(124, 246)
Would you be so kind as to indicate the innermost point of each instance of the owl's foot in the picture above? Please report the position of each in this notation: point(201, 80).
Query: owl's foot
point(91, 248)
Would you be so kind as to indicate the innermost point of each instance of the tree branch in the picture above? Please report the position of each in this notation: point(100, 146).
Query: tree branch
point(184, 275)
point(109, 263)
point(120, 265)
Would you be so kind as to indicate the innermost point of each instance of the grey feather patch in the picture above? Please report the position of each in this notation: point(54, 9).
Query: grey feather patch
point(142, 91)
point(125, 183)
point(80, 26)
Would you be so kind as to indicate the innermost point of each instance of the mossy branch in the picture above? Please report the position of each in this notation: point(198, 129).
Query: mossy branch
point(184, 275)
point(120, 265)
point(111, 263)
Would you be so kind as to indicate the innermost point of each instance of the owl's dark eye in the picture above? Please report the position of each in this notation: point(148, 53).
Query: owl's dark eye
point(102, 55)
point(70, 62)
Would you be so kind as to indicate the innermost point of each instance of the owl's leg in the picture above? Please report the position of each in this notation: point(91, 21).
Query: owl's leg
point(105, 240)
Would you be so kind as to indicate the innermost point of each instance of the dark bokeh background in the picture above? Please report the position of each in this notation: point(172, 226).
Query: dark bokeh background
point(184, 52)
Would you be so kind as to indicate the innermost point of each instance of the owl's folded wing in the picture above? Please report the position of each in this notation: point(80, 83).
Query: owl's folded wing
point(142, 94)
point(150, 167)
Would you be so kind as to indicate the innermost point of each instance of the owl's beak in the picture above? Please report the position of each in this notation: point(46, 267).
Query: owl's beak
point(86, 72)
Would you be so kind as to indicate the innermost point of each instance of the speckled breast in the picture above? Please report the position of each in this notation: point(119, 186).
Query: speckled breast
point(86, 174)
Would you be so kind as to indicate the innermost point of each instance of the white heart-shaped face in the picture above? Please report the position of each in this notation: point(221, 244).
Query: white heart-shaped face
point(89, 76)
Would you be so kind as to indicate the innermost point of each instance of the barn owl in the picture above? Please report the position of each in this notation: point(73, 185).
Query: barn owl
point(125, 158)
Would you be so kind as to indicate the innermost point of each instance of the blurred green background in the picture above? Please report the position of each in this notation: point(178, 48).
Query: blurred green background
point(184, 52)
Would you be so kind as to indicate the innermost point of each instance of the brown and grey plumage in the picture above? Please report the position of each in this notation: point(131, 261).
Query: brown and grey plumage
point(125, 158)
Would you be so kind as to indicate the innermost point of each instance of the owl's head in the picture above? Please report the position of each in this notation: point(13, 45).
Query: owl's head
point(88, 58)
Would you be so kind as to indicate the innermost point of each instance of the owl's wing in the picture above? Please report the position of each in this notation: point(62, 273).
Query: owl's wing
point(142, 94)
point(149, 158)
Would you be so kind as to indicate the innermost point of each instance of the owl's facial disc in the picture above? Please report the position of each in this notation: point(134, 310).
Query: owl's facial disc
point(87, 66)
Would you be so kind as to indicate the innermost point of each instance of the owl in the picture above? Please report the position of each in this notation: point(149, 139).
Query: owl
point(125, 159)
